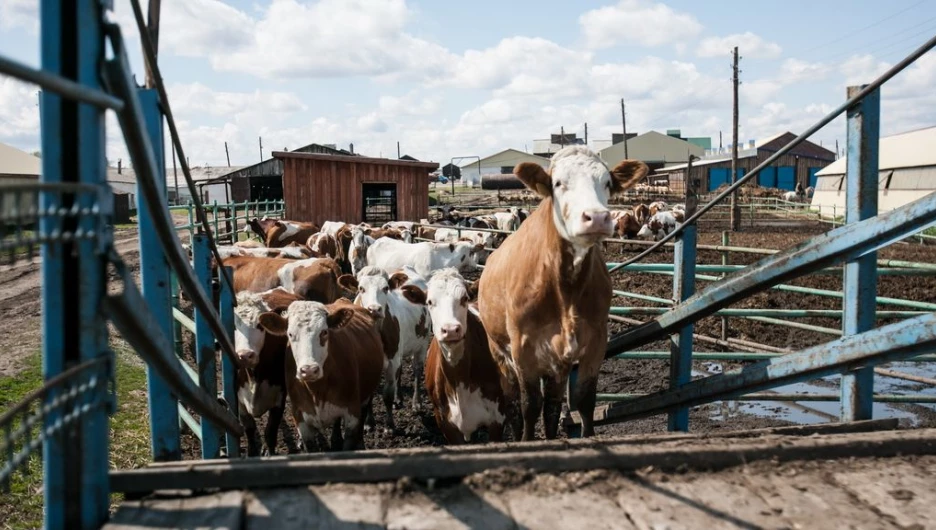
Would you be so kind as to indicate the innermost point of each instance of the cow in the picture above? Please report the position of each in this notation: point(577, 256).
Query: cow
point(462, 379)
point(522, 214)
point(625, 224)
point(790, 196)
point(810, 191)
point(659, 226)
point(426, 232)
point(260, 379)
point(545, 293)
point(451, 235)
point(656, 206)
point(392, 233)
point(322, 245)
point(391, 255)
point(332, 369)
point(249, 243)
point(400, 225)
point(398, 306)
point(508, 221)
point(641, 213)
point(312, 279)
point(279, 232)
point(226, 251)
point(357, 251)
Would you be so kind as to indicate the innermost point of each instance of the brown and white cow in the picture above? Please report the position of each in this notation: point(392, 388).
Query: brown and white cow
point(625, 224)
point(322, 245)
point(641, 213)
point(398, 305)
point(261, 379)
point(332, 369)
point(656, 206)
point(280, 232)
point(462, 379)
point(545, 293)
point(312, 279)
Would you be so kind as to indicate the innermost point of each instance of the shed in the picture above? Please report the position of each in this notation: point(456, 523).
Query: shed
point(18, 167)
point(322, 187)
point(652, 148)
point(800, 165)
point(906, 172)
point(499, 163)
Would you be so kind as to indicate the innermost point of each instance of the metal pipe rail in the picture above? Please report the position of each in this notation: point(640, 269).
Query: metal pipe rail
point(669, 267)
point(864, 92)
point(773, 313)
point(771, 396)
point(735, 356)
point(138, 144)
point(60, 85)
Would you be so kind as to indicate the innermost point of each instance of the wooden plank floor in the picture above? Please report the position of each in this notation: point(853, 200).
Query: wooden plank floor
point(883, 488)
point(859, 493)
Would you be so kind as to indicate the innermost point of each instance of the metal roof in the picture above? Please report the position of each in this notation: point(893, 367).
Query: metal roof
point(908, 149)
point(16, 162)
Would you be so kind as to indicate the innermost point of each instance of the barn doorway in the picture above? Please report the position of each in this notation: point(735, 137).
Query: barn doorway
point(380, 202)
point(266, 188)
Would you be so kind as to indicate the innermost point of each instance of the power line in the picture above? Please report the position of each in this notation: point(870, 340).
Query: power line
point(869, 26)
point(900, 35)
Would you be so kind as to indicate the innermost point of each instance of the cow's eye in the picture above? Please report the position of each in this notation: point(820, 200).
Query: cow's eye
point(558, 184)
point(386, 289)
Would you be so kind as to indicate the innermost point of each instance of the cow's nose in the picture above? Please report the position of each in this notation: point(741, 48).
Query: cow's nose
point(451, 331)
point(247, 357)
point(310, 372)
point(596, 219)
point(376, 311)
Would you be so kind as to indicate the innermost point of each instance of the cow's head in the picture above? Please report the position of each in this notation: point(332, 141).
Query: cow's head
point(357, 252)
point(580, 185)
point(447, 298)
point(406, 236)
point(306, 326)
point(249, 336)
point(466, 254)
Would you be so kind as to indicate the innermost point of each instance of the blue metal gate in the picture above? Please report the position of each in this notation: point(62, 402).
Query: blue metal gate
point(786, 178)
point(718, 176)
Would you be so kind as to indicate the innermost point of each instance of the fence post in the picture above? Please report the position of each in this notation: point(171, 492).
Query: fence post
point(228, 370)
point(154, 272)
point(861, 199)
point(684, 255)
point(191, 222)
point(205, 356)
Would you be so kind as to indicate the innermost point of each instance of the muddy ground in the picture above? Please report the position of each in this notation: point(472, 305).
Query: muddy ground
point(20, 332)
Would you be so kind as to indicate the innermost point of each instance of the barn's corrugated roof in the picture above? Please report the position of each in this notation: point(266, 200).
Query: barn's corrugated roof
point(908, 149)
point(16, 162)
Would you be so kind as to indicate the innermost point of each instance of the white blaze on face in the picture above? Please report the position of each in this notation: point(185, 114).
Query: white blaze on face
point(248, 335)
point(373, 290)
point(447, 300)
point(307, 332)
point(581, 188)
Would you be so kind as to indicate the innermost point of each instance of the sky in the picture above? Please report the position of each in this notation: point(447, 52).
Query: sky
point(448, 79)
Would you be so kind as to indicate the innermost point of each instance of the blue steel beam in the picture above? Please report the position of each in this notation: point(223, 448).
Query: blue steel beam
point(684, 264)
point(895, 342)
point(842, 244)
point(154, 274)
point(228, 369)
point(861, 202)
point(205, 356)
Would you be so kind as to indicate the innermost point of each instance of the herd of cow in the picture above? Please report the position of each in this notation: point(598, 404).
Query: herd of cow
point(324, 314)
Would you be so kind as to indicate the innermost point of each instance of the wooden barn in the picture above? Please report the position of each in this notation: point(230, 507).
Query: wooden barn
point(798, 166)
point(353, 189)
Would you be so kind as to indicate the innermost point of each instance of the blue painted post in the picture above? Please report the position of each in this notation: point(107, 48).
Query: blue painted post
point(684, 255)
point(205, 347)
point(228, 370)
point(76, 488)
point(176, 325)
point(861, 200)
point(157, 290)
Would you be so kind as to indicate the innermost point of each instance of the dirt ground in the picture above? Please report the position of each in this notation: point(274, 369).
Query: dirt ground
point(20, 332)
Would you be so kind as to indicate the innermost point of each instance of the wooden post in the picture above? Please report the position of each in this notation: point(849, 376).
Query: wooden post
point(228, 154)
point(735, 208)
point(624, 126)
point(152, 26)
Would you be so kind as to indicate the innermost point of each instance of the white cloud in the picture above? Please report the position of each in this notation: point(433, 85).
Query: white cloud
point(638, 21)
point(19, 13)
point(749, 45)
point(861, 69)
point(19, 113)
point(796, 70)
point(196, 98)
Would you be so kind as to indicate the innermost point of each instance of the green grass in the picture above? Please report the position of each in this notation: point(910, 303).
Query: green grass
point(129, 440)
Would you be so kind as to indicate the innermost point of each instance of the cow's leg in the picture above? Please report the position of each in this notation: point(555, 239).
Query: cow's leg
point(337, 440)
point(397, 398)
point(531, 403)
point(586, 386)
point(453, 436)
point(553, 391)
point(274, 419)
point(418, 363)
point(354, 432)
point(312, 439)
point(389, 393)
point(250, 432)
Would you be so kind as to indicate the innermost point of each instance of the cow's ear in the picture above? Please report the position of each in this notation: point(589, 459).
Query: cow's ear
point(348, 282)
point(477, 248)
point(339, 318)
point(472, 288)
point(626, 174)
point(397, 280)
point(534, 177)
point(414, 294)
point(273, 323)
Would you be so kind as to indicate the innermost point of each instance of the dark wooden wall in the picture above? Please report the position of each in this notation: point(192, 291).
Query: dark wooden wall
point(319, 188)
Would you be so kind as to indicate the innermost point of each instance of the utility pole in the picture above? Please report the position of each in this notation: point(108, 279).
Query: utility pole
point(586, 133)
point(720, 146)
point(561, 136)
point(398, 150)
point(624, 126)
point(836, 149)
point(152, 26)
point(735, 207)
point(228, 155)
point(261, 147)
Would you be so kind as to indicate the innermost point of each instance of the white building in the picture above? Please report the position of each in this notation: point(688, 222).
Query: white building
point(906, 172)
point(499, 163)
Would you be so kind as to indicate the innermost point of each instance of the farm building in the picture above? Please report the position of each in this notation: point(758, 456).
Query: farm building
point(259, 182)
point(123, 179)
point(18, 167)
point(324, 187)
point(799, 165)
point(652, 148)
point(547, 147)
point(499, 164)
point(906, 172)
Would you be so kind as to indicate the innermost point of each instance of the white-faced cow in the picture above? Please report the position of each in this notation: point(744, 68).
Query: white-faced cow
point(398, 308)
point(333, 369)
point(462, 379)
point(279, 232)
point(545, 293)
point(261, 379)
point(391, 255)
point(312, 279)
point(659, 225)
point(508, 221)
